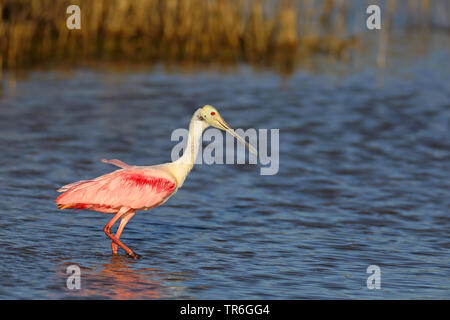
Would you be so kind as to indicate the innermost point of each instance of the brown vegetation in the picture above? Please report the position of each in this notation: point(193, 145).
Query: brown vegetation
point(33, 32)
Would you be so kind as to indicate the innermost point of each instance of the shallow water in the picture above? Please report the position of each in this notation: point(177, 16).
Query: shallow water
point(363, 180)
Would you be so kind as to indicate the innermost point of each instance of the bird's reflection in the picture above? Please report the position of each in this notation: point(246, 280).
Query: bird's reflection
point(119, 279)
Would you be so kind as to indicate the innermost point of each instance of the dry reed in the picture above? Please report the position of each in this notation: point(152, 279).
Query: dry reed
point(33, 32)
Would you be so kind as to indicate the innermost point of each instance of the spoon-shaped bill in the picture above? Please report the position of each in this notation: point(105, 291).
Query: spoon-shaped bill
point(227, 128)
point(249, 147)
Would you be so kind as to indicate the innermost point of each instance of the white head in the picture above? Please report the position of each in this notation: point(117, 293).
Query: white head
point(211, 117)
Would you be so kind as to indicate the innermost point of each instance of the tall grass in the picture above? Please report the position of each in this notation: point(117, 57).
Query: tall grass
point(187, 31)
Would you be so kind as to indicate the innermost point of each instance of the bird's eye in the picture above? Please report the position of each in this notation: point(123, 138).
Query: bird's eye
point(213, 113)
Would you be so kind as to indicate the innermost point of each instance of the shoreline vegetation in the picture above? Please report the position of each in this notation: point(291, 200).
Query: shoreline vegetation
point(258, 32)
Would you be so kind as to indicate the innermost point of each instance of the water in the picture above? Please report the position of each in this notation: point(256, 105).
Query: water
point(363, 180)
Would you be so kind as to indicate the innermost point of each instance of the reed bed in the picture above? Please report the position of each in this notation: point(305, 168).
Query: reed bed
point(266, 32)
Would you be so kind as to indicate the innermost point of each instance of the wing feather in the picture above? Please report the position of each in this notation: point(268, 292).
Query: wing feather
point(117, 163)
point(137, 188)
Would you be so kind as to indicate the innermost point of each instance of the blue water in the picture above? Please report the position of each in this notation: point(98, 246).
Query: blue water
point(364, 179)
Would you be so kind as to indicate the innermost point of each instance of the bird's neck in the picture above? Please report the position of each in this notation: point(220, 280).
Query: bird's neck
point(180, 168)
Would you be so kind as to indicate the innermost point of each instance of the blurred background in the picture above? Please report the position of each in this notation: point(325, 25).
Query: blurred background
point(364, 147)
point(281, 34)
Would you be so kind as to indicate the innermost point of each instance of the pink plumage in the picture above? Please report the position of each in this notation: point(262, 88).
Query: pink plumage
point(137, 188)
point(122, 192)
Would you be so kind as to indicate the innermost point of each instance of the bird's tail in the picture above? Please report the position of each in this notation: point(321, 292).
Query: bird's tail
point(60, 200)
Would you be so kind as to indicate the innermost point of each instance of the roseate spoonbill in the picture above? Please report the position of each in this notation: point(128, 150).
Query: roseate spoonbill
point(135, 188)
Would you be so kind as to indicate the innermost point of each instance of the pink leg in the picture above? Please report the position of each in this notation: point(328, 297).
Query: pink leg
point(125, 218)
point(108, 227)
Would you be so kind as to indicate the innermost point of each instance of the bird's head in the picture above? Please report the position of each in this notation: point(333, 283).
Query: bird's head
point(212, 117)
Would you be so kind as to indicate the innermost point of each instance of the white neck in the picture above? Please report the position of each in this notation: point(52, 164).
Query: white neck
point(180, 168)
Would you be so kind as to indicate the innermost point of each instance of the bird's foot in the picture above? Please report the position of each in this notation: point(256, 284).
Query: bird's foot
point(134, 255)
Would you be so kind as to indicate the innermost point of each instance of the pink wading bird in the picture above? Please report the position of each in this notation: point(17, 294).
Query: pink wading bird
point(135, 188)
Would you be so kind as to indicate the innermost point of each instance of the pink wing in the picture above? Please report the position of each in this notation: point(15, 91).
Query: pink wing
point(137, 187)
